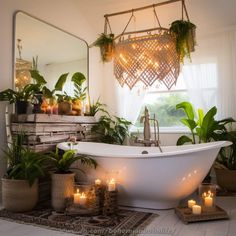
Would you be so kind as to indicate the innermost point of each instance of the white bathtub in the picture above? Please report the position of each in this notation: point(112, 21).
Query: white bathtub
point(154, 180)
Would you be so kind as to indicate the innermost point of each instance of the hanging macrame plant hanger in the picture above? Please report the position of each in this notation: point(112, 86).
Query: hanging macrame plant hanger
point(146, 55)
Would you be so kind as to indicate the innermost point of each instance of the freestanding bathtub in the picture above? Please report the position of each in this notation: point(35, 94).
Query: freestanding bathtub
point(153, 180)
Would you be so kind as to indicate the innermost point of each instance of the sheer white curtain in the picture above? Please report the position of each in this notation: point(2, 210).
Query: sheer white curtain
point(211, 77)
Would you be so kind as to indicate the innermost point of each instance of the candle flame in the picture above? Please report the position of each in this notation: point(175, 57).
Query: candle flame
point(208, 194)
point(77, 191)
point(83, 195)
point(112, 181)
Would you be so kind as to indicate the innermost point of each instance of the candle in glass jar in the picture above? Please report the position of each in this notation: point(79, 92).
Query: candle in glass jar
point(196, 209)
point(98, 182)
point(191, 203)
point(82, 199)
point(208, 201)
point(77, 197)
point(112, 185)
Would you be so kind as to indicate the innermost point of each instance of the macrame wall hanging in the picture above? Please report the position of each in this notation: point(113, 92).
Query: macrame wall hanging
point(148, 55)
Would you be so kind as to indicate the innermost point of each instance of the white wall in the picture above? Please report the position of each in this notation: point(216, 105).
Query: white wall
point(64, 14)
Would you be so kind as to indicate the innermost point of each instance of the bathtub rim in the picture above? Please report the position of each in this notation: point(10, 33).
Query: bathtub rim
point(172, 153)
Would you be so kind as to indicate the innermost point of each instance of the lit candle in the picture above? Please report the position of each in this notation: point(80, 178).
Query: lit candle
point(82, 199)
point(196, 209)
point(77, 197)
point(208, 199)
point(112, 185)
point(191, 203)
point(55, 109)
point(98, 182)
point(49, 110)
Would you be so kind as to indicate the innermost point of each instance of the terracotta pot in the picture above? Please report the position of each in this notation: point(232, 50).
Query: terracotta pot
point(64, 108)
point(226, 179)
point(18, 196)
point(62, 188)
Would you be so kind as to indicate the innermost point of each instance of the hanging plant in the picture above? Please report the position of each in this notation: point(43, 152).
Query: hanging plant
point(185, 33)
point(106, 44)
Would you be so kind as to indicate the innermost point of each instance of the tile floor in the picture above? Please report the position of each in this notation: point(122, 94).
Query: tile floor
point(167, 224)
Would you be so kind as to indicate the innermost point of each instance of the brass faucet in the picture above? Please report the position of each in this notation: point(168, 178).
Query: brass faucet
point(147, 141)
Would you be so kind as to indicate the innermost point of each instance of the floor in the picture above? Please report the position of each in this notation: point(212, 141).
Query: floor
point(167, 224)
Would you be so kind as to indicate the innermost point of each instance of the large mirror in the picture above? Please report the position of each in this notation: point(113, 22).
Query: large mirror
point(53, 50)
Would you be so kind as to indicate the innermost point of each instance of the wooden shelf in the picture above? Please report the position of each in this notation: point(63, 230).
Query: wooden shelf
point(45, 118)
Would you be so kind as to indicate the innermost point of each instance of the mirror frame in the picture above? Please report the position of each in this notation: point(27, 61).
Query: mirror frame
point(43, 21)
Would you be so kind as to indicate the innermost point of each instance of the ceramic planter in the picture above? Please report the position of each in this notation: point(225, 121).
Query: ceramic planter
point(18, 196)
point(62, 188)
point(226, 179)
point(107, 52)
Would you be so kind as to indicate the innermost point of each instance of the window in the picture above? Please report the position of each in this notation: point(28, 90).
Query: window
point(201, 92)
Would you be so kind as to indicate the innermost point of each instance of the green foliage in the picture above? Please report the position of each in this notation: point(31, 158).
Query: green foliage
point(103, 40)
point(24, 95)
point(183, 31)
point(78, 79)
point(23, 163)
point(96, 107)
point(164, 107)
point(112, 130)
point(62, 163)
point(41, 83)
point(205, 127)
point(227, 155)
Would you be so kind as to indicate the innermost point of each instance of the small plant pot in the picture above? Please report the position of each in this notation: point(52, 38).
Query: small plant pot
point(62, 189)
point(226, 179)
point(64, 108)
point(18, 196)
point(21, 107)
point(107, 52)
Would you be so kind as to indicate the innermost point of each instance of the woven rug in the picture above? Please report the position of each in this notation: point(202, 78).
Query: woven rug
point(125, 223)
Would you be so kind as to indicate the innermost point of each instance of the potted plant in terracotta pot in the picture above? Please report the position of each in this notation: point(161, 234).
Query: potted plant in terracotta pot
point(185, 34)
point(225, 165)
point(63, 176)
point(107, 46)
point(20, 183)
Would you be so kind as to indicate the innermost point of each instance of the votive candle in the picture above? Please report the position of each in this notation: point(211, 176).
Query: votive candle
point(77, 197)
point(112, 185)
point(196, 209)
point(82, 199)
point(191, 203)
point(98, 182)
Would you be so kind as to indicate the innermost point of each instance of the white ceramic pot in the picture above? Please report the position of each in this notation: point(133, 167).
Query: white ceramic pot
point(18, 196)
point(62, 188)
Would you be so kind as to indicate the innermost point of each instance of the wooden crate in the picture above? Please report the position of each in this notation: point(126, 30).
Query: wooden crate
point(43, 131)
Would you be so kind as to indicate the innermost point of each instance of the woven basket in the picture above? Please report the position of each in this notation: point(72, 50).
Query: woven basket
point(18, 196)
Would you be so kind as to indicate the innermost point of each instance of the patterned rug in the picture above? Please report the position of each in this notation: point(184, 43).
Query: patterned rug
point(125, 223)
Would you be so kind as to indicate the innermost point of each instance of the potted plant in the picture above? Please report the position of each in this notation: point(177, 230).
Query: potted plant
point(63, 177)
point(20, 183)
point(79, 92)
point(203, 129)
point(106, 44)
point(112, 129)
point(225, 165)
point(185, 33)
point(95, 107)
point(20, 98)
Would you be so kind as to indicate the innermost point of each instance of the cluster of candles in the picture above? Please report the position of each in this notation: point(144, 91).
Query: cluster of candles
point(81, 198)
point(208, 202)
